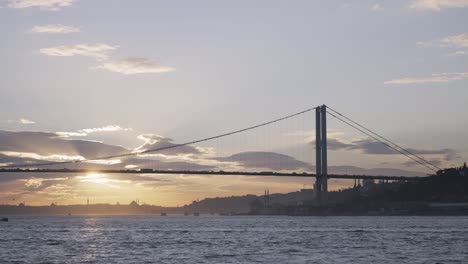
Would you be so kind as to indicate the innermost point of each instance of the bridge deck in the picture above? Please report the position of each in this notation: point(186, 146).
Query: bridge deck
point(232, 173)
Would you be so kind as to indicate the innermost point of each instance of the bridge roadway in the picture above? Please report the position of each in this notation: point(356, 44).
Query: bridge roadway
point(240, 173)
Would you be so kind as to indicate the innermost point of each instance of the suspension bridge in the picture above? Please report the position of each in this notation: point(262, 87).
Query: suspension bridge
point(321, 173)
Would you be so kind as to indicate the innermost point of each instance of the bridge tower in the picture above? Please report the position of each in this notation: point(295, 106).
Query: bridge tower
point(321, 180)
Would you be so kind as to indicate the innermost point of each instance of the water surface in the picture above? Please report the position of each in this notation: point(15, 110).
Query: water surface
point(278, 239)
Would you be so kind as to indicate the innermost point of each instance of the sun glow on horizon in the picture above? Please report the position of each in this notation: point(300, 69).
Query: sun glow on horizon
point(94, 178)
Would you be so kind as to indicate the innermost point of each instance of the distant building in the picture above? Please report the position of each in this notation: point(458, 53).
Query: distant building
point(462, 171)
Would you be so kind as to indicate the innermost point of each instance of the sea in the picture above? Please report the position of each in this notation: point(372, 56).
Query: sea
point(234, 239)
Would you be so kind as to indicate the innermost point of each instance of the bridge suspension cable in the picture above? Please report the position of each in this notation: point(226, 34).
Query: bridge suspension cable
point(161, 148)
point(385, 141)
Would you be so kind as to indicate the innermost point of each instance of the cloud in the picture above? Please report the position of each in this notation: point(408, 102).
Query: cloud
point(335, 144)
point(84, 132)
point(377, 7)
point(56, 28)
point(367, 146)
point(338, 144)
point(278, 162)
point(25, 121)
point(434, 78)
point(267, 160)
point(44, 144)
point(457, 53)
point(153, 141)
point(36, 157)
point(460, 41)
point(437, 5)
point(98, 51)
point(53, 5)
point(7, 160)
point(109, 128)
point(147, 163)
point(37, 147)
point(436, 162)
point(131, 66)
point(70, 134)
point(22, 121)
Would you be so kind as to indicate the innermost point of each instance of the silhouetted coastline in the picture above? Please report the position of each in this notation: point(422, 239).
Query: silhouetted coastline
point(445, 193)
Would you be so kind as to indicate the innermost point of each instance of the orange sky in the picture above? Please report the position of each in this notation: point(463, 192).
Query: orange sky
point(169, 190)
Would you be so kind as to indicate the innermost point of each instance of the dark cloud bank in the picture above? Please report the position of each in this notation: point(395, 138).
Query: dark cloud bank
point(46, 144)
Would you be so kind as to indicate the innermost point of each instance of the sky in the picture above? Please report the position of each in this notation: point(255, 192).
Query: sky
point(83, 78)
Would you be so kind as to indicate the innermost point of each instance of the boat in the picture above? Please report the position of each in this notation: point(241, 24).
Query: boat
point(163, 214)
point(196, 214)
point(186, 214)
point(4, 219)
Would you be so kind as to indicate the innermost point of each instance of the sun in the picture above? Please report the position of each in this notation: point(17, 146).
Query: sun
point(94, 178)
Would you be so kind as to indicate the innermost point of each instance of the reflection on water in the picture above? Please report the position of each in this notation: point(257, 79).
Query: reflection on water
point(139, 239)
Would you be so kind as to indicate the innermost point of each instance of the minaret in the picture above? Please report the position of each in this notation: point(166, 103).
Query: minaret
point(268, 197)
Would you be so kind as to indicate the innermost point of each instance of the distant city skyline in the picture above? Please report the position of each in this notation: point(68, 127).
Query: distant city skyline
point(82, 78)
